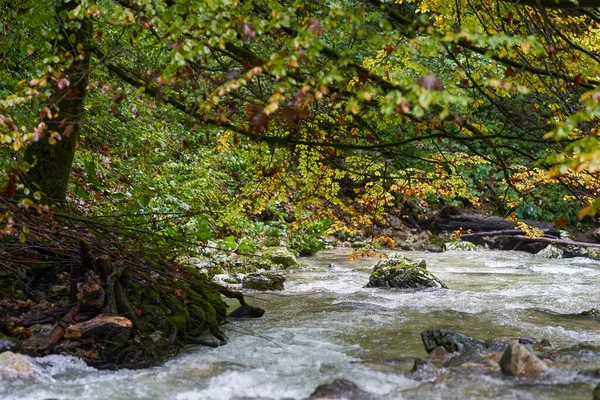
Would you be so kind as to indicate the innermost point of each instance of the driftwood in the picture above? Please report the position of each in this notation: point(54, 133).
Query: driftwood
point(563, 242)
point(452, 219)
point(507, 232)
point(45, 317)
point(59, 330)
point(101, 326)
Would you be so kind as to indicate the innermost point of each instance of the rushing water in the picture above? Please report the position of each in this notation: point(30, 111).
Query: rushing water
point(325, 325)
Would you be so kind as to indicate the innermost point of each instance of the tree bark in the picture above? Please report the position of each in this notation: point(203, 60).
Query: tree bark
point(100, 326)
point(564, 242)
point(52, 162)
point(452, 218)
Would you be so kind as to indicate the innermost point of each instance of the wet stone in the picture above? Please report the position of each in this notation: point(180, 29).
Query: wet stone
point(471, 357)
point(14, 366)
point(264, 281)
point(340, 389)
point(518, 361)
point(397, 271)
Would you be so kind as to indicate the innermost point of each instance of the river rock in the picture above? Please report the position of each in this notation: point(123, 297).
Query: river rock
point(340, 389)
point(550, 252)
point(264, 281)
point(460, 245)
point(575, 251)
point(224, 279)
point(592, 312)
point(247, 311)
point(281, 258)
point(14, 366)
point(517, 360)
point(453, 341)
point(423, 369)
point(397, 271)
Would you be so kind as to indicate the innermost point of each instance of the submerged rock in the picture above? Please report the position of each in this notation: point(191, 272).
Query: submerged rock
point(247, 311)
point(517, 360)
point(281, 258)
point(550, 252)
point(453, 341)
point(264, 281)
point(14, 366)
point(397, 271)
point(592, 312)
point(340, 389)
point(470, 357)
point(460, 245)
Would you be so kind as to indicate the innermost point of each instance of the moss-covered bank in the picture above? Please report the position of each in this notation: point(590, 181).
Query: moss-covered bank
point(68, 288)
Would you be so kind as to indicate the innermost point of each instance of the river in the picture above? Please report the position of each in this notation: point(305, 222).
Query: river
point(325, 325)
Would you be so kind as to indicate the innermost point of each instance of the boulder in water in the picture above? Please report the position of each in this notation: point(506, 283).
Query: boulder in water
point(397, 271)
point(453, 341)
point(340, 389)
point(281, 258)
point(550, 252)
point(470, 357)
point(517, 360)
point(247, 311)
point(14, 366)
point(460, 245)
point(592, 312)
point(264, 281)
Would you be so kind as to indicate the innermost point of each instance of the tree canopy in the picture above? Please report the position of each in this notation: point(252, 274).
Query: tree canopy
point(222, 110)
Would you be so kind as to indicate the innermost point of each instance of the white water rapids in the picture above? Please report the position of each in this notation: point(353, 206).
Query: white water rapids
point(325, 325)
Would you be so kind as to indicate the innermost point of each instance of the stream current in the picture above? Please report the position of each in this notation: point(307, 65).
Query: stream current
point(326, 325)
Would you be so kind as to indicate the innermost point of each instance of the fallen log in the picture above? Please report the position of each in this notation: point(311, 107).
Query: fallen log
point(45, 317)
point(59, 329)
point(101, 326)
point(453, 218)
point(506, 232)
point(564, 242)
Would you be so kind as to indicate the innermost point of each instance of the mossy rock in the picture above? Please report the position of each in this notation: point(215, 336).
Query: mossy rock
point(281, 258)
point(460, 245)
point(397, 271)
point(550, 252)
point(264, 281)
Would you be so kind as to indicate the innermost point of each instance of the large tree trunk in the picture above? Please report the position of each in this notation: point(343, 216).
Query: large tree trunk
point(53, 162)
point(452, 218)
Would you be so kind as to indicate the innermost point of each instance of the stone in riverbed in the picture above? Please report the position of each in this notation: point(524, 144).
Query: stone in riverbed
point(551, 252)
point(518, 361)
point(453, 341)
point(247, 311)
point(460, 246)
point(281, 257)
point(340, 389)
point(592, 312)
point(264, 281)
point(397, 271)
point(14, 366)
